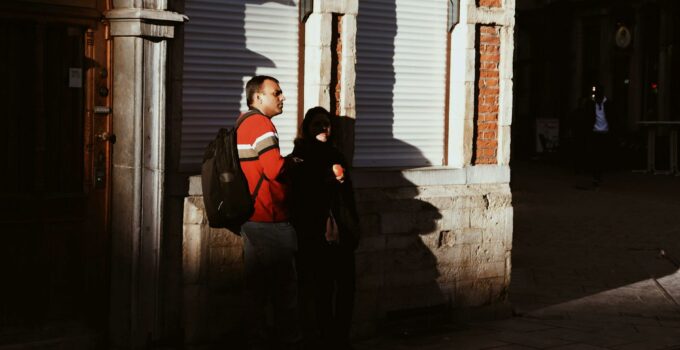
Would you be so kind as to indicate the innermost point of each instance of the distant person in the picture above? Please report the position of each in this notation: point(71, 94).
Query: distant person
point(598, 122)
point(325, 217)
point(269, 240)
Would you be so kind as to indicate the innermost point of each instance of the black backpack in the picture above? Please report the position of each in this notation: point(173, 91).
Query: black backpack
point(226, 196)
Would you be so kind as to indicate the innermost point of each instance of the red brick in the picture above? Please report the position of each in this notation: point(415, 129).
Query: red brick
point(489, 100)
point(489, 58)
point(481, 109)
point(489, 91)
point(491, 49)
point(488, 30)
point(490, 39)
point(488, 83)
point(487, 126)
point(486, 73)
point(490, 3)
point(489, 135)
point(488, 66)
point(487, 117)
point(486, 152)
point(487, 144)
point(486, 160)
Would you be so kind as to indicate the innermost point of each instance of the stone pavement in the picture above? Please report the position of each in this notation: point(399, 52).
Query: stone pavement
point(592, 268)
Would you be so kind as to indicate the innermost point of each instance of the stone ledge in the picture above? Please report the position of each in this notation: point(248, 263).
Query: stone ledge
point(136, 22)
point(426, 176)
point(485, 15)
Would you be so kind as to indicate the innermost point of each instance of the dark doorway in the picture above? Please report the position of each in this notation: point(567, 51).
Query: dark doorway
point(54, 181)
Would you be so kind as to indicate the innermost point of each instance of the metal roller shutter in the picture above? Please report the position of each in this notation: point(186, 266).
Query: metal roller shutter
point(400, 82)
point(227, 42)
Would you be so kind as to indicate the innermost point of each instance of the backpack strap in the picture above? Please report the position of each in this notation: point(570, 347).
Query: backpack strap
point(257, 187)
point(238, 123)
point(245, 116)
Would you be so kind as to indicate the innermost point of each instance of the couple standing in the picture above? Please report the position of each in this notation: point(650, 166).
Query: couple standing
point(303, 232)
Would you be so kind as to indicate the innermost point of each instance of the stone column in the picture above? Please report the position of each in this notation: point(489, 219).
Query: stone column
point(318, 55)
point(139, 59)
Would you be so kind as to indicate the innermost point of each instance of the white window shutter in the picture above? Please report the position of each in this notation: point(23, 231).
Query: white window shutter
point(400, 82)
point(226, 43)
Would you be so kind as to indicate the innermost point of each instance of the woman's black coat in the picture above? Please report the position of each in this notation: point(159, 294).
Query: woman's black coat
point(316, 193)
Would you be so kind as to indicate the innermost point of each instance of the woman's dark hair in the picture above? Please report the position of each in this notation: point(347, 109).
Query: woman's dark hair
point(311, 115)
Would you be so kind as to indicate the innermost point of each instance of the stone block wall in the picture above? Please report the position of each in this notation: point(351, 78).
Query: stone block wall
point(430, 242)
point(436, 238)
point(212, 277)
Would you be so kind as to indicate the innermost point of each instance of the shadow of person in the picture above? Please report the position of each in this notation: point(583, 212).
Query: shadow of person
point(397, 272)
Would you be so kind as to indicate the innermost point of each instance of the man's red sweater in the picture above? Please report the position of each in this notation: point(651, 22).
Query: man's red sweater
point(259, 153)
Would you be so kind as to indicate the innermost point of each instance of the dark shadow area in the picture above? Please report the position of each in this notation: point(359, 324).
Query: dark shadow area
point(52, 257)
point(570, 243)
point(570, 239)
point(619, 44)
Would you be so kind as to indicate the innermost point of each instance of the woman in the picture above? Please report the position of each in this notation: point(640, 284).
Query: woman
point(325, 219)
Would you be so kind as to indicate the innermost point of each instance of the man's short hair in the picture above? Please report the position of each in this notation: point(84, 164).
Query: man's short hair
point(253, 86)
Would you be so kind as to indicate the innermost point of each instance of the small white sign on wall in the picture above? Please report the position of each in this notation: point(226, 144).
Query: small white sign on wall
point(75, 77)
point(547, 135)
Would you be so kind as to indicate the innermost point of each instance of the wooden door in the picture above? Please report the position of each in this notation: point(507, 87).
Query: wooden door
point(54, 171)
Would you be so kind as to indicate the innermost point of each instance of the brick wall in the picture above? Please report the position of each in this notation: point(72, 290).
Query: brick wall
point(486, 123)
point(336, 64)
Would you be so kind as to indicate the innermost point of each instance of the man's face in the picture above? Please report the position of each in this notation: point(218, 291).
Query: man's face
point(269, 100)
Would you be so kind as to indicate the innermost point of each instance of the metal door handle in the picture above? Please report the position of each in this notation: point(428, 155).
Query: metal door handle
point(105, 136)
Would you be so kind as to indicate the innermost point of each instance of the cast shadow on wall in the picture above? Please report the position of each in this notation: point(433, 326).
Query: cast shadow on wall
point(231, 62)
point(396, 269)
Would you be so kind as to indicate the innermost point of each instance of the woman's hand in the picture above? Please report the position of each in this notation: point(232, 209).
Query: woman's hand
point(339, 173)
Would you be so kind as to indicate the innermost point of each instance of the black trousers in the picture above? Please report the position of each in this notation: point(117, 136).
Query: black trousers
point(599, 154)
point(327, 285)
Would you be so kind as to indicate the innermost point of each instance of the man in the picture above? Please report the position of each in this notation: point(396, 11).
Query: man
point(598, 123)
point(269, 240)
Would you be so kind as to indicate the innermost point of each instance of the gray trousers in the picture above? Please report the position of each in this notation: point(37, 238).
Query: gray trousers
point(270, 279)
